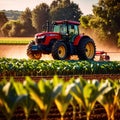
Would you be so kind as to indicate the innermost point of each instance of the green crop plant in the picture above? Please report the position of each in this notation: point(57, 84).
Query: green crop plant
point(74, 104)
point(63, 100)
point(26, 103)
point(43, 93)
point(23, 67)
point(86, 93)
point(15, 40)
point(110, 99)
point(9, 98)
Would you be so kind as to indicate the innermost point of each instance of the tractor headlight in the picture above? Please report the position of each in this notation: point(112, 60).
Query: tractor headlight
point(41, 37)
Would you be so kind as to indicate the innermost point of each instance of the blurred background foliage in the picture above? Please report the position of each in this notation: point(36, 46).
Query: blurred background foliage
point(103, 23)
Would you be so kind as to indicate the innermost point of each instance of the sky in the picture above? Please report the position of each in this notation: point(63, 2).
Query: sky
point(85, 5)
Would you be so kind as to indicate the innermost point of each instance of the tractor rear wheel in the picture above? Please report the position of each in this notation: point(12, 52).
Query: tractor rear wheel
point(59, 51)
point(86, 49)
point(33, 54)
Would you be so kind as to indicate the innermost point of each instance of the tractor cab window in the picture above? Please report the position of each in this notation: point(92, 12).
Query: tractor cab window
point(73, 31)
point(63, 29)
point(60, 28)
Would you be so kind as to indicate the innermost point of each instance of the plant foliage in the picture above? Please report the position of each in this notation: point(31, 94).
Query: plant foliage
point(45, 93)
point(23, 67)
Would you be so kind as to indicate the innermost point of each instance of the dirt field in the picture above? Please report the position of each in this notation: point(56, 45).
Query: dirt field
point(19, 51)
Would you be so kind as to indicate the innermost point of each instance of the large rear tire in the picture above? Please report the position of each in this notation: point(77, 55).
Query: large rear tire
point(59, 51)
point(33, 54)
point(86, 49)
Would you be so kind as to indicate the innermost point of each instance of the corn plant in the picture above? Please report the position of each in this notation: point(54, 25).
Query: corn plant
point(110, 99)
point(118, 93)
point(2, 83)
point(26, 103)
point(43, 93)
point(62, 101)
point(74, 104)
point(86, 94)
point(9, 99)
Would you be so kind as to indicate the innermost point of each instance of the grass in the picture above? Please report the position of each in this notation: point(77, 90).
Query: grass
point(15, 40)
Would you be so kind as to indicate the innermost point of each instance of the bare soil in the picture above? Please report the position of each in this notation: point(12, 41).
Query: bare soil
point(97, 114)
point(19, 52)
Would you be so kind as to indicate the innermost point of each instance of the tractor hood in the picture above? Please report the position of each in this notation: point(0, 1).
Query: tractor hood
point(47, 34)
point(44, 38)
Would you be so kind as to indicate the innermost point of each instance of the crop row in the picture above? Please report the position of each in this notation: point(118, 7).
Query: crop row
point(15, 40)
point(23, 67)
point(41, 96)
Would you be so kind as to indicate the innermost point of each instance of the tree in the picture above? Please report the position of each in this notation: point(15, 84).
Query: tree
point(39, 16)
point(105, 21)
point(26, 21)
point(107, 14)
point(12, 28)
point(119, 39)
point(3, 19)
point(64, 9)
point(12, 14)
point(84, 21)
point(21, 27)
point(6, 28)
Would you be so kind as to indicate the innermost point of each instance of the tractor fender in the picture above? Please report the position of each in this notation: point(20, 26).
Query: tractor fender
point(79, 38)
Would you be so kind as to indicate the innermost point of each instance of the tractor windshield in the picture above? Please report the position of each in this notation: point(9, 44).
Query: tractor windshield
point(73, 29)
point(60, 28)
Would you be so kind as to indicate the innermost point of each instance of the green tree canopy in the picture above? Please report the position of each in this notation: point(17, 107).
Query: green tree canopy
point(12, 28)
point(33, 21)
point(64, 9)
point(106, 20)
point(26, 21)
point(39, 16)
point(109, 12)
point(3, 19)
point(108, 15)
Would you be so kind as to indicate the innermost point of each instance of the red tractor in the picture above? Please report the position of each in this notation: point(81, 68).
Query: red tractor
point(62, 42)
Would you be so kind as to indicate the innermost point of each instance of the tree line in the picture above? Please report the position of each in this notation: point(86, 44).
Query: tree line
point(30, 22)
point(105, 20)
point(12, 14)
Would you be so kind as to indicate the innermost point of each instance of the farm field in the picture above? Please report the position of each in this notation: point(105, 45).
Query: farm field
point(24, 67)
point(10, 47)
point(14, 62)
point(58, 99)
point(11, 51)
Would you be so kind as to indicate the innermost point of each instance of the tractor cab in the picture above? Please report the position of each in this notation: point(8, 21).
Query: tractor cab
point(68, 29)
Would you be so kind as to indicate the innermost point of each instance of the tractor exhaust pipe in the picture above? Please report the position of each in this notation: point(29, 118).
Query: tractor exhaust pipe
point(46, 26)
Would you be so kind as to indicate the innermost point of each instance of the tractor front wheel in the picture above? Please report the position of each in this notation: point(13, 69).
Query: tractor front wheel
point(86, 49)
point(33, 54)
point(59, 51)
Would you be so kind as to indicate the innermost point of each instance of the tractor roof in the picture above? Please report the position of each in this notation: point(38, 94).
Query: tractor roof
point(66, 21)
